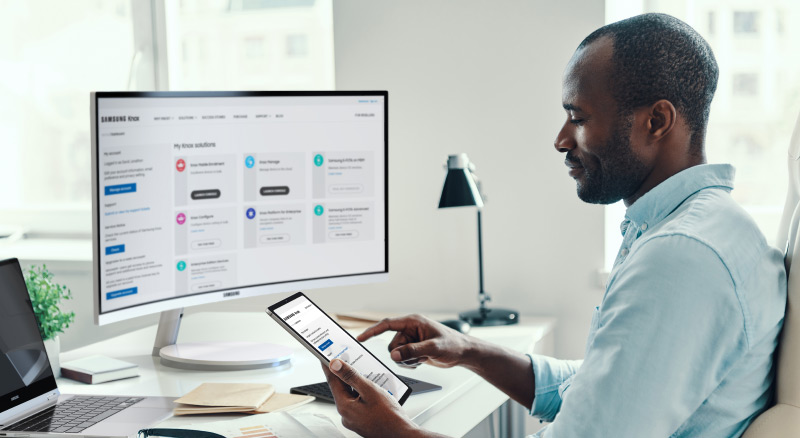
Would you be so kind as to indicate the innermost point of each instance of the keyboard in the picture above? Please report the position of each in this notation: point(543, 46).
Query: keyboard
point(74, 415)
point(323, 392)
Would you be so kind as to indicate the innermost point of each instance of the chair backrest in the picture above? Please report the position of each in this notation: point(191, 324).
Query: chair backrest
point(783, 419)
point(788, 358)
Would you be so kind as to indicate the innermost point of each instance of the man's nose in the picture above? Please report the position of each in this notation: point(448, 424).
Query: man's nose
point(564, 142)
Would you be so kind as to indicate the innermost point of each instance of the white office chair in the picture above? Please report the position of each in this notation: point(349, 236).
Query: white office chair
point(783, 419)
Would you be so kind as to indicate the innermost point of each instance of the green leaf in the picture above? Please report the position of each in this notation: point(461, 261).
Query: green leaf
point(46, 297)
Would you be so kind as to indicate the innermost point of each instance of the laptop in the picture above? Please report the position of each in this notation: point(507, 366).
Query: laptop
point(30, 402)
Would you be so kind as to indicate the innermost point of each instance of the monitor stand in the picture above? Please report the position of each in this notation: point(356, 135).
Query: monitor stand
point(213, 356)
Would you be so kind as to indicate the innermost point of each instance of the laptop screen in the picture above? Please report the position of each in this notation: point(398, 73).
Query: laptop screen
point(24, 367)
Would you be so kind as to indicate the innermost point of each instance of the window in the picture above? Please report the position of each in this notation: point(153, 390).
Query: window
point(745, 84)
point(250, 45)
point(711, 22)
point(296, 46)
point(255, 47)
point(745, 22)
point(53, 54)
point(753, 134)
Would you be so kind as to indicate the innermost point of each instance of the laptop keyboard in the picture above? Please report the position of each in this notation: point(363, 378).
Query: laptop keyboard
point(323, 391)
point(74, 415)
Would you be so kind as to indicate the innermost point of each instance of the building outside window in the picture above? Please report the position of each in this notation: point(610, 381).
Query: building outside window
point(52, 54)
point(756, 103)
point(712, 17)
point(297, 46)
point(255, 44)
point(745, 84)
point(745, 22)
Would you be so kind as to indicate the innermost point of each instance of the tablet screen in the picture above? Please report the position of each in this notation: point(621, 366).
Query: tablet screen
point(329, 341)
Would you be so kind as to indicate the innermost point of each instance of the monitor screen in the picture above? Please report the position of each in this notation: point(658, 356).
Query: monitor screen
point(24, 367)
point(201, 197)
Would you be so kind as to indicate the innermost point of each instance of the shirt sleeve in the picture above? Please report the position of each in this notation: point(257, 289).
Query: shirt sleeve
point(671, 327)
point(551, 378)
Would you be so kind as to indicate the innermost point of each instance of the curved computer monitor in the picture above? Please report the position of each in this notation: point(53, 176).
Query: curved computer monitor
point(201, 197)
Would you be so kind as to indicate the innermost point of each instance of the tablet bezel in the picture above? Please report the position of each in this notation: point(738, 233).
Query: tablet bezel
point(271, 311)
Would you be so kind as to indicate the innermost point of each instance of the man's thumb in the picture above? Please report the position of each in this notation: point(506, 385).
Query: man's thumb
point(350, 376)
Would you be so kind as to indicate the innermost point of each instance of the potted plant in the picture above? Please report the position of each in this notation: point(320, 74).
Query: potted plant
point(46, 298)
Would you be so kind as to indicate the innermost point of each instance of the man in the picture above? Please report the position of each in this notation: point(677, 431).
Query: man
point(682, 342)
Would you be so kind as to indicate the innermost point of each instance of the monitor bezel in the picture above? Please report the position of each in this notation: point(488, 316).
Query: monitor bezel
point(235, 292)
point(43, 386)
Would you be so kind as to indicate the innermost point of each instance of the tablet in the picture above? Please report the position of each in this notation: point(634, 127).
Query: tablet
point(327, 340)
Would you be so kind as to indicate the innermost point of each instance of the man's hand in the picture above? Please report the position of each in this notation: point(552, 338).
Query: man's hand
point(372, 412)
point(421, 340)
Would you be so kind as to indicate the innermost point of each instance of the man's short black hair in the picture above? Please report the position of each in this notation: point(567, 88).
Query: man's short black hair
point(657, 56)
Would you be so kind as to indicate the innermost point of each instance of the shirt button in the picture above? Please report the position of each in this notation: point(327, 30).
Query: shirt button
point(644, 227)
point(624, 252)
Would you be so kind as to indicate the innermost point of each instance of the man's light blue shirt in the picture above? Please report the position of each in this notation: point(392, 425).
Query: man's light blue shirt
point(682, 342)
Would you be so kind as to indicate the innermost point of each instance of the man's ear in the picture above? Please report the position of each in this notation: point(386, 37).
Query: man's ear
point(661, 118)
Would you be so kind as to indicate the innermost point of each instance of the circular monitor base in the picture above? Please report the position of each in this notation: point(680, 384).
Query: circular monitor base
point(225, 356)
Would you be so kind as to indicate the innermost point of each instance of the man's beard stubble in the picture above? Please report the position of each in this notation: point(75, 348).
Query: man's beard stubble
point(617, 174)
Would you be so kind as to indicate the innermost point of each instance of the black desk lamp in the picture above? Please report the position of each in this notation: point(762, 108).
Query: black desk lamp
point(461, 190)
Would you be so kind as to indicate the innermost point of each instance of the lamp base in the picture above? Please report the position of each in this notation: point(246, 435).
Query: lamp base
point(486, 317)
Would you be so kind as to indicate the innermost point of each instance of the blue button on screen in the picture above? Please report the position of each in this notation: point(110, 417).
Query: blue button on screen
point(122, 293)
point(325, 345)
point(120, 188)
point(116, 249)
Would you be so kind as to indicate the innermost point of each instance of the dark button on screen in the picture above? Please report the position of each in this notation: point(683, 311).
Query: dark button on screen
point(275, 191)
point(206, 194)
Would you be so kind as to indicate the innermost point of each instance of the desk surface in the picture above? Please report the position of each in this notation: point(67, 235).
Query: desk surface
point(464, 401)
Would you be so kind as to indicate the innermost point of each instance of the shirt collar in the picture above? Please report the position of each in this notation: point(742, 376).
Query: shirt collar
point(663, 199)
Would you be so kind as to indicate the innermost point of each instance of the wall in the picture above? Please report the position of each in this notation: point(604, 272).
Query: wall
point(468, 76)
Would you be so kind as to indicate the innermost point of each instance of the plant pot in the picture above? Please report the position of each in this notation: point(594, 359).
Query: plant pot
point(53, 349)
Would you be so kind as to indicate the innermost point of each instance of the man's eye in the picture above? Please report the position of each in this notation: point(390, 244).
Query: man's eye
point(576, 121)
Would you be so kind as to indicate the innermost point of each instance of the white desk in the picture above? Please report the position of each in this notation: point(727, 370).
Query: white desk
point(464, 402)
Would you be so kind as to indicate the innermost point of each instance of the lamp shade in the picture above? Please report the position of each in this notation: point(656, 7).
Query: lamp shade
point(459, 188)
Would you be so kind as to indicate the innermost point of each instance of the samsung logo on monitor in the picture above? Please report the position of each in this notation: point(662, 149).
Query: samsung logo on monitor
point(106, 119)
point(16, 397)
point(230, 294)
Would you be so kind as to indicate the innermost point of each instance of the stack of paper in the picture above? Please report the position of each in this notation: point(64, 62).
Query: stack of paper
point(251, 398)
point(282, 425)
